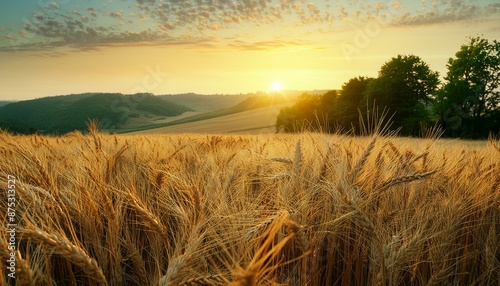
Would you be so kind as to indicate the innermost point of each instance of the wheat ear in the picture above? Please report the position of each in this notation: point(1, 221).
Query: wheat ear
point(492, 247)
point(24, 274)
point(493, 143)
point(300, 236)
point(204, 280)
point(282, 160)
point(405, 179)
point(62, 246)
point(361, 162)
point(151, 220)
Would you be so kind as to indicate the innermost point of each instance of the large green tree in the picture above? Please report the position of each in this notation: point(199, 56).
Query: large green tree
point(478, 65)
point(349, 101)
point(404, 87)
point(469, 101)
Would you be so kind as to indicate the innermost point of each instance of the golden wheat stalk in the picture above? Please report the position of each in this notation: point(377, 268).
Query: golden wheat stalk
point(151, 220)
point(300, 236)
point(177, 264)
point(404, 179)
point(282, 160)
point(216, 279)
point(261, 264)
point(23, 271)
point(263, 225)
point(298, 158)
point(491, 250)
point(362, 160)
point(62, 246)
point(493, 142)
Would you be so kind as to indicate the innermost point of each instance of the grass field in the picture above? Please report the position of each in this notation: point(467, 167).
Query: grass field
point(255, 121)
point(275, 209)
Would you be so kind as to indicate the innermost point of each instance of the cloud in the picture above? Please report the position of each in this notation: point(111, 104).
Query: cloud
point(266, 45)
point(118, 15)
point(92, 11)
point(206, 14)
point(165, 22)
point(447, 11)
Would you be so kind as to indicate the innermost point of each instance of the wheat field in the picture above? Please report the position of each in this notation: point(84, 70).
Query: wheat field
point(276, 209)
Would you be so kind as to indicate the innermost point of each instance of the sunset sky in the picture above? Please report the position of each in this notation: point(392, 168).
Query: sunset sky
point(223, 46)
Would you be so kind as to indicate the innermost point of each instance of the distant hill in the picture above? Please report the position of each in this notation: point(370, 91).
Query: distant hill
point(206, 103)
point(3, 102)
point(251, 102)
point(62, 114)
point(214, 102)
point(124, 113)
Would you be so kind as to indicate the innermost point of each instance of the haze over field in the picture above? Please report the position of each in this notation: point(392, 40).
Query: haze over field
point(63, 47)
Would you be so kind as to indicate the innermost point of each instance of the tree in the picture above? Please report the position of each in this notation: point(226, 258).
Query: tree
point(404, 86)
point(301, 116)
point(349, 101)
point(470, 97)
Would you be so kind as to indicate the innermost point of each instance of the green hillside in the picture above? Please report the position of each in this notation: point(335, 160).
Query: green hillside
point(206, 103)
point(62, 114)
point(3, 102)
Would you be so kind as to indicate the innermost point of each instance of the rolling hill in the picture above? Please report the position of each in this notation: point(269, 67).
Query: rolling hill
point(206, 103)
point(121, 113)
point(255, 121)
point(4, 102)
point(251, 103)
point(62, 114)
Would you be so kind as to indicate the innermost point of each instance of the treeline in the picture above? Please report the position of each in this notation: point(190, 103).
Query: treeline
point(466, 104)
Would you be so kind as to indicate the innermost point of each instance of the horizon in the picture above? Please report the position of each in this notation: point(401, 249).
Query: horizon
point(281, 92)
point(50, 48)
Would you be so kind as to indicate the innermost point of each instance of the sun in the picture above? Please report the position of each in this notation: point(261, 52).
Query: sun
point(276, 86)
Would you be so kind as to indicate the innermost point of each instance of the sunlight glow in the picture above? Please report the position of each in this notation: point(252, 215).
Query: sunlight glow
point(276, 86)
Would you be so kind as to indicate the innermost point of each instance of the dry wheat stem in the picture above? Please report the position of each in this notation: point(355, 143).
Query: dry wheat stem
point(298, 231)
point(23, 271)
point(404, 179)
point(151, 220)
point(199, 281)
point(298, 159)
point(282, 160)
point(62, 246)
point(362, 160)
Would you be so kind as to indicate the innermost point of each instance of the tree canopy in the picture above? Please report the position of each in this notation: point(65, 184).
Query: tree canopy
point(468, 104)
point(349, 100)
point(404, 86)
point(477, 65)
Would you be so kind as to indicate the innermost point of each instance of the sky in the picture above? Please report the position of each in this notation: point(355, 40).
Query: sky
point(56, 47)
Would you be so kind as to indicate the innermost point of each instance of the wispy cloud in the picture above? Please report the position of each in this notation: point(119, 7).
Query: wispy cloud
point(204, 14)
point(447, 11)
point(265, 45)
point(118, 15)
point(92, 11)
point(165, 22)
